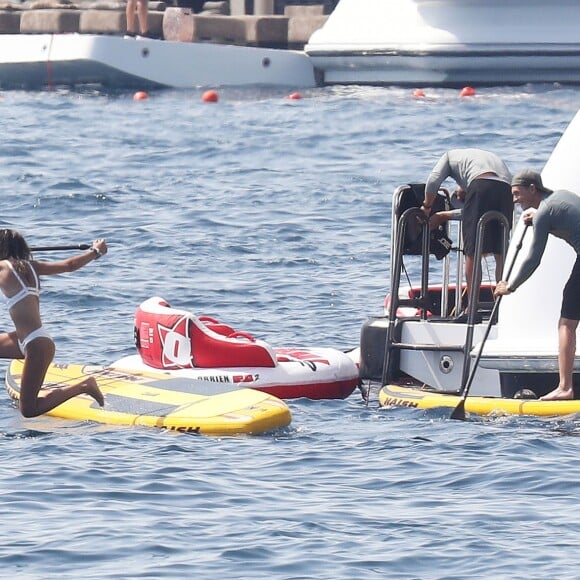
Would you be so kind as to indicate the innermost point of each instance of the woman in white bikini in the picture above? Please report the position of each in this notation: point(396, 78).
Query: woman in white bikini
point(20, 286)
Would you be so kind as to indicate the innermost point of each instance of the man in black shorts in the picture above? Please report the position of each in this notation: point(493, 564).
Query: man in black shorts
point(556, 213)
point(485, 180)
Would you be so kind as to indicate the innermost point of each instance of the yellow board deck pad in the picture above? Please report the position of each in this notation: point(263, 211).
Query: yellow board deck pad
point(159, 400)
point(398, 396)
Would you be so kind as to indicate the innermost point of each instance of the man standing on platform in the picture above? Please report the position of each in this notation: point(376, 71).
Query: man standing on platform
point(485, 181)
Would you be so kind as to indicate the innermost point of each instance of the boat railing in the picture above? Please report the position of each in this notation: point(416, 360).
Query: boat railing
point(413, 218)
point(475, 304)
point(417, 218)
point(410, 240)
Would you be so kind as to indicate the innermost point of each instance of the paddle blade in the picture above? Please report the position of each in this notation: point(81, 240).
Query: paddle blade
point(459, 411)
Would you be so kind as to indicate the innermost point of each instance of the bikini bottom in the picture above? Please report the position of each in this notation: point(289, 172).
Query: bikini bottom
point(38, 333)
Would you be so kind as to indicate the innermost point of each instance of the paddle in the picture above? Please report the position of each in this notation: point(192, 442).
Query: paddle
point(59, 248)
point(459, 411)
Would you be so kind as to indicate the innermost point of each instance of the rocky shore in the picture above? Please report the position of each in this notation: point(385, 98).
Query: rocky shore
point(262, 23)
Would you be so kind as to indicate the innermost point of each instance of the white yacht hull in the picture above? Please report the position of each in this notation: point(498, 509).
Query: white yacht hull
point(447, 68)
point(38, 60)
point(448, 42)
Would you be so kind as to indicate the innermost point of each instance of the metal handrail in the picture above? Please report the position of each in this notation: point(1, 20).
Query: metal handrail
point(422, 302)
point(474, 303)
point(396, 269)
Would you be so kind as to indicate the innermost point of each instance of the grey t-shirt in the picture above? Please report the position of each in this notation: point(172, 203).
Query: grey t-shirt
point(558, 214)
point(465, 165)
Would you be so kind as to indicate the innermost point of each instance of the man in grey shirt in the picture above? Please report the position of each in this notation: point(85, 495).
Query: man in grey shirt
point(556, 213)
point(485, 180)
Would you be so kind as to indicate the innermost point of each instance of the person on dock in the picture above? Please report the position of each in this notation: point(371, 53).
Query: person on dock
point(20, 286)
point(142, 7)
point(556, 213)
point(485, 181)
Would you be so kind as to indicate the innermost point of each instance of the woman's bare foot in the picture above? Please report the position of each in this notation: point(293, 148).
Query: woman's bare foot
point(91, 388)
point(559, 394)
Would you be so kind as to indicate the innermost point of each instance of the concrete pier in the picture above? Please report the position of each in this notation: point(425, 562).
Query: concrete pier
point(240, 22)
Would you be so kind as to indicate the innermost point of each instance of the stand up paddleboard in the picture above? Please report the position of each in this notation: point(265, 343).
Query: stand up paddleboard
point(153, 400)
point(398, 396)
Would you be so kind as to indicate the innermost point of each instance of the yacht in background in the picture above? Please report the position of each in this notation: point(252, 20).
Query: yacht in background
point(374, 42)
point(448, 42)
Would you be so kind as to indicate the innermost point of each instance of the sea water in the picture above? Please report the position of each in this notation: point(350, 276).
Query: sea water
point(272, 215)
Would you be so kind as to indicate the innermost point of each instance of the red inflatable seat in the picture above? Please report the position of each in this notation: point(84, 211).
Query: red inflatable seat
point(168, 338)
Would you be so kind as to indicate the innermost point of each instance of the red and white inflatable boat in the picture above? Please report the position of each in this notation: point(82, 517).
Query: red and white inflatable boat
point(180, 343)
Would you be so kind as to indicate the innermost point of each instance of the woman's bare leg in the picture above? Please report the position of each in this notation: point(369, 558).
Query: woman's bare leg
point(39, 355)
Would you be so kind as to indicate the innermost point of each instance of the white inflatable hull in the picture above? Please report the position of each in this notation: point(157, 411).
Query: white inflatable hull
point(326, 373)
point(40, 60)
point(509, 359)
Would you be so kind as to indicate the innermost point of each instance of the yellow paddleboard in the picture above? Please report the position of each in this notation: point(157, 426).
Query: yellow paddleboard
point(160, 400)
point(397, 396)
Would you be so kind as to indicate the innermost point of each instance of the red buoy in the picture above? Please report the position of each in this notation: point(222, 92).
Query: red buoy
point(210, 97)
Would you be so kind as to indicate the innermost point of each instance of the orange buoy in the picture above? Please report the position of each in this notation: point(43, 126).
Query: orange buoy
point(210, 97)
point(294, 96)
point(140, 96)
point(418, 93)
point(467, 92)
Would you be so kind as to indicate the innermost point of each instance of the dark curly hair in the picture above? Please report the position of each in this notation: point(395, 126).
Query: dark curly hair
point(13, 246)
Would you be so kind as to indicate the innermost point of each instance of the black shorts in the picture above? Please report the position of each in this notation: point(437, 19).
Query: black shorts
point(485, 195)
point(571, 295)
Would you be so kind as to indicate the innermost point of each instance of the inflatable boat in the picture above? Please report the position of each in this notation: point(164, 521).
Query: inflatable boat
point(178, 343)
point(428, 351)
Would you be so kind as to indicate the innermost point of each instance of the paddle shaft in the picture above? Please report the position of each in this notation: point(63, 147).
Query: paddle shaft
point(59, 248)
point(459, 411)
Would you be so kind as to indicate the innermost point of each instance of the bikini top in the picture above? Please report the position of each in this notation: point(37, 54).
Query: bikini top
point(25, 290)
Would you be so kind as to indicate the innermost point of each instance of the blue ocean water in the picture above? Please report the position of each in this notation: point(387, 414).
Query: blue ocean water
point(271, 215)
